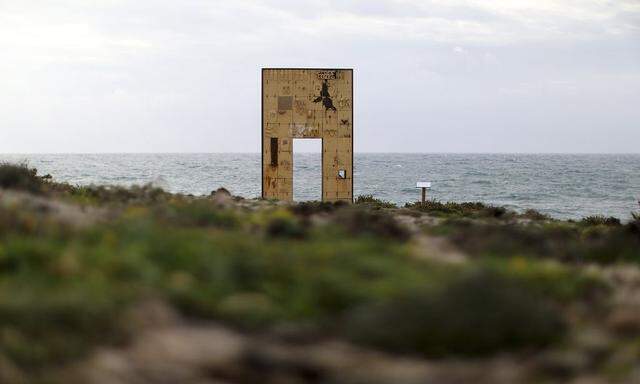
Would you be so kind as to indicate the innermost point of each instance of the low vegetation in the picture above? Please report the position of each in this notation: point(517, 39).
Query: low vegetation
point(339, 271)
point(451, 209)
point(556, 240)
point(371, 201)
point(460, 318)
point(20, 177)
point(634, 224)
point(601, 220)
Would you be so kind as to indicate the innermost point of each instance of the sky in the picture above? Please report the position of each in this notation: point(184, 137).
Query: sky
point(524, 76)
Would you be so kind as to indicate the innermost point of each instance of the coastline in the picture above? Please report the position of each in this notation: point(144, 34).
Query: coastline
point(561, 186)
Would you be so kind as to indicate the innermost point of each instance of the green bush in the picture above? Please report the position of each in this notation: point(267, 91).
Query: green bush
point(600, 220)
point(145, 194)
point(283, 224)
point(558, 240)
point(372, 201)
point(308, 208)
point(477, 314)
point(532, 214)
point(634, 224)
point(20, 177)
point(200, 213)
point(44, 325)
point(466, 209)
point(551, 279)
point(358, 221)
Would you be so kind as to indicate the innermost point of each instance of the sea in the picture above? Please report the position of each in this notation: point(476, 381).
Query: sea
point(567, 186)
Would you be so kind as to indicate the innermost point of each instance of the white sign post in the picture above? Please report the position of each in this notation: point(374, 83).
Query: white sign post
point(424, 185)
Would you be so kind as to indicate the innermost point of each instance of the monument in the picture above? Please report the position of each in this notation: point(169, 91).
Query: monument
point(307, 103)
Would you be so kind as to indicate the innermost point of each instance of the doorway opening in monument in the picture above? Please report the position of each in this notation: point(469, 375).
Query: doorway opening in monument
point(307, 169)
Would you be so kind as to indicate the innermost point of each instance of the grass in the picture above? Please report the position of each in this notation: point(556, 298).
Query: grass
point(371, 201)
point(67, 291)
point(346, 271)
point(451, 209)
point(73, 286)
point(117, 194)
point(564, 241)
point(475, 314)
point(474, 210)
point(72, 293)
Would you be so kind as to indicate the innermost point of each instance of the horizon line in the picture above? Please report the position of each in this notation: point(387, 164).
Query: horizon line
point(355, 152)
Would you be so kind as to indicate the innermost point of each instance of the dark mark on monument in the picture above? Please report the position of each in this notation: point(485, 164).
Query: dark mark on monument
point(325, 97)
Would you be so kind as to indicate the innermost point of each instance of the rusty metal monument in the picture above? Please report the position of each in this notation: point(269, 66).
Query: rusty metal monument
point(307, 103)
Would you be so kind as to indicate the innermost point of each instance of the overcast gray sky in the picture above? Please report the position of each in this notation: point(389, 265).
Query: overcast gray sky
point(430, 75)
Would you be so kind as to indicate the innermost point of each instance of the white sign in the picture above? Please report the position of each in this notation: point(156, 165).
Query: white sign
point(423, 184)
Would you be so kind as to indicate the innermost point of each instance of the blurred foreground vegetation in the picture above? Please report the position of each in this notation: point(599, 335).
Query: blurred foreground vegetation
point(74, 262)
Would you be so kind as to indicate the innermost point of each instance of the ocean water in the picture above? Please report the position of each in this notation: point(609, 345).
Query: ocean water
point(563, 186)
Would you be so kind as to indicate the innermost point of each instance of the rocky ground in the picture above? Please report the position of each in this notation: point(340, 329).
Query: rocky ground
point(136, 285)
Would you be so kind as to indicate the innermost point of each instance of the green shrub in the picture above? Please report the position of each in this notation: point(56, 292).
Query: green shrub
point(20, 177)
point(283, 224)
point(634, 224)
point(478, 314)
point(144, 194)
point(358, 221)
point(558, 240)
point(551, 279)
point(42, 326)
point(532, 214)
point(199, 212)
point(308, 208)
point(466, 209)
point(248, 309)
point(600, 220)
point(372, 201)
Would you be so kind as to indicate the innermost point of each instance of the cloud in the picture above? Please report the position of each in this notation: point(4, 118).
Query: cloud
point(181, 75)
